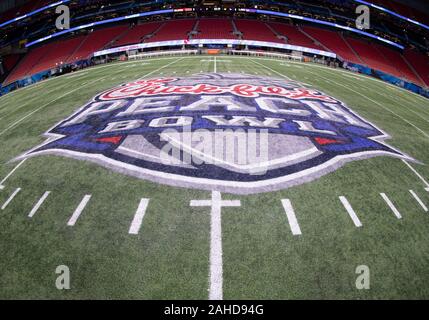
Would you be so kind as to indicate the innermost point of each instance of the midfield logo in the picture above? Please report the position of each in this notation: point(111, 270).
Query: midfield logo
point(298, 134)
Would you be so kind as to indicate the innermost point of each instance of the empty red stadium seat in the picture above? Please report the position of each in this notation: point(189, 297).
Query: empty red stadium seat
point(412, 66)
point(174, 30)
point(58, 54)
point(334, 42)
point(10, 61)
point(215, 29)
point(96, 41)
point(420, 63)
point(256, 30)
point(396, 59)
point(26, 64)
point(136, 34)
point(294, 35)
point(372, 57)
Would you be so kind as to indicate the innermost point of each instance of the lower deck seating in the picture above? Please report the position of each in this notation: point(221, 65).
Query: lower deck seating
point(95, 41)
point(334, 42)
point(372, 57)
point(294, 35)
point(215, 29)
point(420, 63)
point(256, 30)
point(174, 30)
point(411, 65)
point(26, 64)
point(136, 34)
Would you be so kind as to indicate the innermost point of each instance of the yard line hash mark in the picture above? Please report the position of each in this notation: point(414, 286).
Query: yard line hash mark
point(419, 200)
point(216, 267)
point(350, 211)
point(79, 210)
point(39, 204)
point(138, 217)
point(391, 205)
point(10, 198)
point(290, 213)
point(416, 173)
point(10, 173)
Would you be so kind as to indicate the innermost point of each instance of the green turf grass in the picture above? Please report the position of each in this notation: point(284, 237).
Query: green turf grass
point(170, 256)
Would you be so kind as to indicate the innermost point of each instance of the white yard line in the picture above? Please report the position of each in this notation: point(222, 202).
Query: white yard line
point(290, 213)
point(45, 105)
point(215, 65)
point(391, 205)
point(39, 204)
point(216, 266)
point(79, 210)
point(350, 211)
point(46, 94)
point(343, 71)
point(419, 200)
point(10, 173)
point(362, 95)
point(395, 101)
point(138, 217)
point(161, 68)
point(74, 75)
point(353, 76)
point(10, 198)
point(373, 101)
point(416, 173)
point(70, 92)
point(37, 84)
point(272, 70)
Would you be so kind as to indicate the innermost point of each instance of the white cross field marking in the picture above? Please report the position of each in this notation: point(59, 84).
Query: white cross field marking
point(10, 198)
point(419, 200)
point(290, 213)
point(79, 210)
point(216, 273)
point(39, 204)
point(10, 173)
point(215, 65)
point(416, 173)
point(138, 217)
point(391, 205)
point(351, 212)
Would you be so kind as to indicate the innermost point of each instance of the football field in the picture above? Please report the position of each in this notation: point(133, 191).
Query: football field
point(57, 210)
